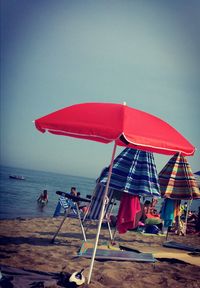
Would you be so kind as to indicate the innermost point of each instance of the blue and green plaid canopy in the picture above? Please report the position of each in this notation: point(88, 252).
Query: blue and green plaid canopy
point(134, 171)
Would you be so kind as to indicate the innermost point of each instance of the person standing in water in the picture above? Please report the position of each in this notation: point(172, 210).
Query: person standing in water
point(43, 198)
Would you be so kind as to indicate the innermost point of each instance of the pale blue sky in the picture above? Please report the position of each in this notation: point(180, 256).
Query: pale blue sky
point(58, 53)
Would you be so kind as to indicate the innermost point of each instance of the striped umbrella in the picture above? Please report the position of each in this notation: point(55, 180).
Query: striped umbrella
point(177, 180)
point(134, 171)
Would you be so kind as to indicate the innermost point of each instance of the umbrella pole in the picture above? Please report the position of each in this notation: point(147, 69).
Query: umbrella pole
point(101, 214)
point(186, 217)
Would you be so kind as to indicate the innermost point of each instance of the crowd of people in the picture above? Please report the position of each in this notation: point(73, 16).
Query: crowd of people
point(149, 219)
point(184, 222)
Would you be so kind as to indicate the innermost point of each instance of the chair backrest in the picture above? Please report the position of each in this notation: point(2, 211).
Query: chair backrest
point(67, 203)
point(94, 208)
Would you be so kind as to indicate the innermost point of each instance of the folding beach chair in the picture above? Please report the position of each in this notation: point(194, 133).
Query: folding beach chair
point(71, 209)
point(94, 209)
point(64, 204)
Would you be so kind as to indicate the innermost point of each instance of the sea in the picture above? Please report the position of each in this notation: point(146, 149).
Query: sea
point(18, 198)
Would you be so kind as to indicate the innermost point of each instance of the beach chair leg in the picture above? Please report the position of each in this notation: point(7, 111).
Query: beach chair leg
point(110, 232)
point(87, 226)
point(81, 224)
point(62, 222)
point(113, 237)
point(57, 210)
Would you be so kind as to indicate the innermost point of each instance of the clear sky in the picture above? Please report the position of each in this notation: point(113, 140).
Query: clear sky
point(59, 53)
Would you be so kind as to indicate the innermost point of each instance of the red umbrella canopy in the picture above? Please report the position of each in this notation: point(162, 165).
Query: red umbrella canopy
point(107, 122)
point(177, 180)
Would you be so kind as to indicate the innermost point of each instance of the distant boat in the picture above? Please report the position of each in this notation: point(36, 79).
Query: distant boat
point(17, 177)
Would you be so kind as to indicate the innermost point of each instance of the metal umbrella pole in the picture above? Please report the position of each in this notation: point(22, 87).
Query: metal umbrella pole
point(186, 217)
point(102, 213)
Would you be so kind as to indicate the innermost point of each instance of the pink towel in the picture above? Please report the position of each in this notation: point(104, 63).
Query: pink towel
point(129, 207)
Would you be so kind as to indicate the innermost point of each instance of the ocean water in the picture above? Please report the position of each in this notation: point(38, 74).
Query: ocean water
point(18, 198)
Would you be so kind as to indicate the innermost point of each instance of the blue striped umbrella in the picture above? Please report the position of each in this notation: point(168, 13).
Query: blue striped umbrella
point(134, 171)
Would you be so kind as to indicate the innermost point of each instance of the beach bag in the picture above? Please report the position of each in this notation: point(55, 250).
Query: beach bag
point(152, 229)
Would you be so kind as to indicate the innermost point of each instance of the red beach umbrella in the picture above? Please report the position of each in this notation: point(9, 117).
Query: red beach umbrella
point(118, 123)
point(107, 122)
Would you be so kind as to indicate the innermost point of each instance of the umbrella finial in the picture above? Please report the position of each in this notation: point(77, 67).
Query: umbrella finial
point(124, 103)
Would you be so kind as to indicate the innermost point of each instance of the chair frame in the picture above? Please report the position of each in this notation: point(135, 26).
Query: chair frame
point(70, 208)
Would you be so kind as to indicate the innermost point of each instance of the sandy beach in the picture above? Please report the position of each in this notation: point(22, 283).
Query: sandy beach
point(25, 243)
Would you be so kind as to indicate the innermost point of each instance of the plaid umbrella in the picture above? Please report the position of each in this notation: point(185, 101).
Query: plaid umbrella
point(177, 180)
point(134, 171)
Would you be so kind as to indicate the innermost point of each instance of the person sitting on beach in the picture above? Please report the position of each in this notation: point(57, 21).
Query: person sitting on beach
point(43, 198)
point(154, 202)
point(192, 217)
point(82, 208)
point(73, 191)
point(147, 207)
point(192, 220)
point(150, 210)
point(150, 215)
point(78, 194)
